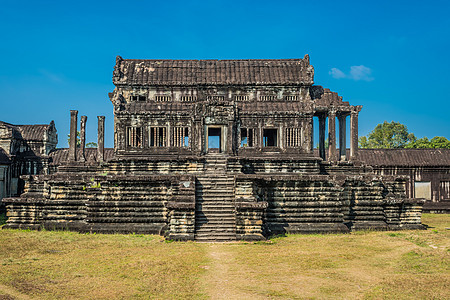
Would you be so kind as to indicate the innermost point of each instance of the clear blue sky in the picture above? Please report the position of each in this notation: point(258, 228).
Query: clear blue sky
point(392, 57)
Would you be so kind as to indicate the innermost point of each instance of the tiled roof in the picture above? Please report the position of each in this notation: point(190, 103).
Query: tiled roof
point(216, 72)
point(273, 107)
point(28, 132)
point(138, 107)
point(33, 132)
point(59, 156)
point(405, 157)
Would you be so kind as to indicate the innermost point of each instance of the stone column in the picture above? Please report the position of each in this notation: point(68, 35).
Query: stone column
point(322, 118)
point(354, 135)
point(83, 137)
point(332, 136)
point(73, 135)
point(101, 139)
point(342, 137)
point(309, 134)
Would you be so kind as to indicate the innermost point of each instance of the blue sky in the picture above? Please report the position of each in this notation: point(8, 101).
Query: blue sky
point(389, 56)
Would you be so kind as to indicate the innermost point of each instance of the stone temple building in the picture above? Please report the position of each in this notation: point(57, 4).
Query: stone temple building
point(217, 150)
point(24, 150)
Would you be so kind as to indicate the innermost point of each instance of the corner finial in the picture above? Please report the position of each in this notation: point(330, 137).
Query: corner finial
point(306, 58)
point(118, 59)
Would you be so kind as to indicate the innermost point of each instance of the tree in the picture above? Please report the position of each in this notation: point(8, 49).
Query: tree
point(436, 142)
point(91, 145)
point(88, 145)
point(387, 135)
point(78, 139)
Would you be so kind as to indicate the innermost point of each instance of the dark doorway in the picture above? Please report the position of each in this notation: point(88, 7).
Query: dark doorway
point(270, 138)
point(214, 139)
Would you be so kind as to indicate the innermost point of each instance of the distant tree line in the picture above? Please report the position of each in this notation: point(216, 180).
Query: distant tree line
point(396, 135)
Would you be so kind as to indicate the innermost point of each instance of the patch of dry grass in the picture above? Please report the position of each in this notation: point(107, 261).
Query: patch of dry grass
point(362, 265)
point(70, 265)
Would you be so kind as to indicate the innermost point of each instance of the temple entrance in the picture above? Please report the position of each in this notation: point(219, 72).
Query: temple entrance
point(214, 140)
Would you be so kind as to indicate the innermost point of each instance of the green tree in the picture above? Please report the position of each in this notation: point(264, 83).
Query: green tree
point(436, 142)
point(78, 139)
point(91, 145)
point(387, 135)
point(88, 145)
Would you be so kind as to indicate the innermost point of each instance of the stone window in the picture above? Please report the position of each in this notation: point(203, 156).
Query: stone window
point(163, 98)
point(247, 137)
point(134, 137)
point(241, 98)
point(293, 137)
point(422, 189)
point(268, 98)
point(158, 137)
point(138, 98)
point(187, 98)
point(180, 136)
point(215, 97)
point(291, 98)
point(444, 190)
point(270, 137)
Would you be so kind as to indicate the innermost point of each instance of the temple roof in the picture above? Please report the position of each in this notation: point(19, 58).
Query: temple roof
point(28, 132)
point(405, 157)
point(61, 155)
point(213, 72)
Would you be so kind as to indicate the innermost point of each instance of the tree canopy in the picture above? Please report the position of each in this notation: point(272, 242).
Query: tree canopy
point(396, 135)
point(387, 135)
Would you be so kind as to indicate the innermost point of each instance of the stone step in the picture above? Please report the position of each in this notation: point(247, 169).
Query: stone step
point(215, 217)
point(216, 181)
point(211, 199)
point(213, 211)
point(218, 224)
point(216, 233)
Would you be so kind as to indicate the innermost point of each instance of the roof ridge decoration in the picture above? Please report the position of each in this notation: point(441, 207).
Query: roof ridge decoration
point(163, 72)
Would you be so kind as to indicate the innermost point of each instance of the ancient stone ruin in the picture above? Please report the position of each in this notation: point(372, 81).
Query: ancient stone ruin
point(216, 150)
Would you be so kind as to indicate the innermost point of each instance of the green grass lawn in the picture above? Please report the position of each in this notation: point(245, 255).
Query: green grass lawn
point(361, 265)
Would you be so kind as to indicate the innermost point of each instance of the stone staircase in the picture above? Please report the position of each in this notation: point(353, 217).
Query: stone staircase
point(215, 210)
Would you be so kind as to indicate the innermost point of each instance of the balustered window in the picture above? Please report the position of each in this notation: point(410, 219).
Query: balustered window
point(268, 98)
point(293, 137)
point(291, 98)
point(188, 98)
point(163, 98)
point(158, 136)
point(134, 137)
point(180, 136)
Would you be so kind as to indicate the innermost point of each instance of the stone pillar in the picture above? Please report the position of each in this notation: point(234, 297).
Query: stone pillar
point(101, 139)
point(354, 135)
point(309, 135)
point(332, 136)
point(322, 118)
point(342, 137)
point(83, 137)
point(73, 135)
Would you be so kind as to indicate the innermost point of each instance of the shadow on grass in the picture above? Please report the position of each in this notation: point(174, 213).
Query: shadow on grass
point(3, 218)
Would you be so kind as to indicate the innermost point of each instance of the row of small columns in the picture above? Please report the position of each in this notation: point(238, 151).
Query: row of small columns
point(332, 151)
point(73, 137)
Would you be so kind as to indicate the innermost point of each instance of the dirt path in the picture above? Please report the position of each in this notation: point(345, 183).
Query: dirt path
point(223, 279)
point(7, 292)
